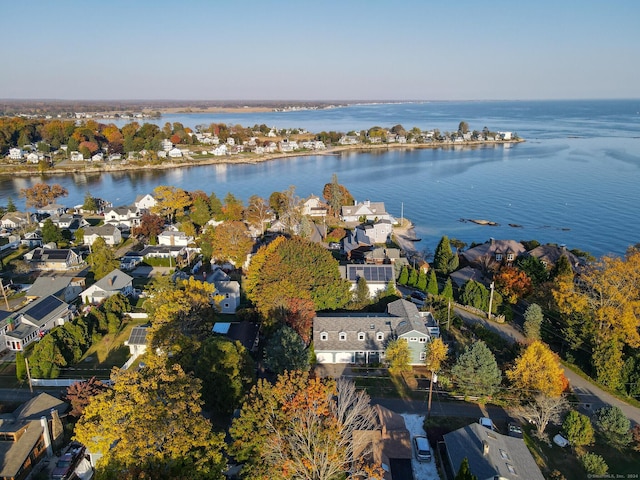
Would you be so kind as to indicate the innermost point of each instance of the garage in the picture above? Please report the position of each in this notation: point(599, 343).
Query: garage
point(344, 357)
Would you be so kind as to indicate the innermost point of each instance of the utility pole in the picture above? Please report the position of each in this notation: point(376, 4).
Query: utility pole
point(4, 294)
point(492, 286)
point(26, 362)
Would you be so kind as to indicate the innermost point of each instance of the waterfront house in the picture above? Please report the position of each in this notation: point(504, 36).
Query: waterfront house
point(366, 211)
point(52, 209)
point(490, 454)
point(377, 277)
point(166, 144)
point(76, 157)
point(15, 220)
point(115, 282)
point(493, 254)
point(122, 217)
point(550, 254)
point(175, 153)
point(16, 153)
point(145, 202)
point(363, 337)
point(314, 207)
point(33, 321)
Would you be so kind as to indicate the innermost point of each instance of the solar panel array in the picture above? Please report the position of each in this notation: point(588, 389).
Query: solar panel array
point(138, 336)
point(57, 254)
point(44, 307)
point(371, 273)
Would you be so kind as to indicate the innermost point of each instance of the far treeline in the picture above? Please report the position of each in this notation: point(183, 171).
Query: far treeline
point(91, 136)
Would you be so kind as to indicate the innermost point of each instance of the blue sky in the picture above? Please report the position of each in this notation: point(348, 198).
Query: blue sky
point(320, 50)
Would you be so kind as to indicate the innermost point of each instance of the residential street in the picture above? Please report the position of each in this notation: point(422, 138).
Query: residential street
point(591, 396)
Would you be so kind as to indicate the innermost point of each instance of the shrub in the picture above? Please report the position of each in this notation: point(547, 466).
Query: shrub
point(594, 464)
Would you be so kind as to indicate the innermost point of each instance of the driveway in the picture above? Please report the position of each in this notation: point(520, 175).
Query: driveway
point(421, 470)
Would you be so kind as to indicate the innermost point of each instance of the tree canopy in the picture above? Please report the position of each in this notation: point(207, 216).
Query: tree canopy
point(476, 371)
point(538, 370)
point(102, 259)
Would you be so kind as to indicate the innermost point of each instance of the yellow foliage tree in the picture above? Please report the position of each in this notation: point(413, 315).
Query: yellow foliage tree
point(169, 201)
point(398, 356)
point(537, 370)
point(608, 294)
point(149, 425)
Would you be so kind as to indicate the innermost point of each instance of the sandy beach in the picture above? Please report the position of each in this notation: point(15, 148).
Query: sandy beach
point(403, 235)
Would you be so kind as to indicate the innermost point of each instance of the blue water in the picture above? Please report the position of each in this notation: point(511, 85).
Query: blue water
point(575, 181)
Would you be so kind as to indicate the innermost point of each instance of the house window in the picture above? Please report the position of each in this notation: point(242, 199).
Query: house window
point(423, 356)
point(422, 339)
point(413, 339)
point(498, 257)
point(510, 257)
point(544, 264)
point(380, 336)
point(504, 454)
point(342, 336)
point(361, 336)
point(324, 336)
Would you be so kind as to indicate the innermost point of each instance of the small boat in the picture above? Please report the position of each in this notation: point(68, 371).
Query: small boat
point(515, 225)
point(414, 239)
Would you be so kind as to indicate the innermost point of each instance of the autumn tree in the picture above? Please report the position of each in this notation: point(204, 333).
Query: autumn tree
point(398, 356)
point(538, 370)
point(102, 259)
point(512, 284)
point(231, 241)
point(42, 194)
point(435, 354)
point(476, 371)
point(305, 428)
point(336, 195)
point(169, 201)
point(232, 209)
point(285, 350)
point(257, 212)
point(298, 313)
point(295, 268)
point(151, 225)
point(149, 425)
point(79, 394)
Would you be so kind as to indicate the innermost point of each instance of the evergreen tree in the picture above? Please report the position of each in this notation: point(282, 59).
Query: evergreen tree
point(447, 290)
point(533, 321)
point(285, 350)
point(11, 207)
point(562, 268)
point(443, 258)
point(413, 278)
point(404, 275)
point(362, 296)
point(475, 294)
point(464, 473)
point(432, 284)
point(476, 371)
point(90, 204)
point(422, 281)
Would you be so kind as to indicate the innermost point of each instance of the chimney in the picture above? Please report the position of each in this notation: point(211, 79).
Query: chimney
point(492, 241)
point(56, 429)
point(485, 448)
point(110, 281)
point(47, 439)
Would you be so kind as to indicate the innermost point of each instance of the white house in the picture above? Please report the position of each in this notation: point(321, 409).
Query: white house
point(314, 207)
point(137, 341)
point(76, 157)
point(367, 211)
point(16, 153)
point(15, 220)
point(122, 217)
point(145, 202)
point(230, 290)
point(109, 233)
point(166, 145)
point(98, 157)
point(115, 282)
point(173, 238)
point(175, 153)
point(33, 157)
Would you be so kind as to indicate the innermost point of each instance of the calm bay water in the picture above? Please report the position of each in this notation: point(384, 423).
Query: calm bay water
point(575, 181)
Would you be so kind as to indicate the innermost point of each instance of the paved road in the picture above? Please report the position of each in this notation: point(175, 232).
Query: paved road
point(591, 396)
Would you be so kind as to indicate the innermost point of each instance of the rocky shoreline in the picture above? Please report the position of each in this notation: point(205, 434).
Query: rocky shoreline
point(227, 160)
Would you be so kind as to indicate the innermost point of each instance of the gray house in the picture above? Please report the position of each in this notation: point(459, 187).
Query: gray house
point(490, 454)
point(363, 337)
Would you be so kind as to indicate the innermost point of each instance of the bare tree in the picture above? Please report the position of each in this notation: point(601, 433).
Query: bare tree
point(544, 409)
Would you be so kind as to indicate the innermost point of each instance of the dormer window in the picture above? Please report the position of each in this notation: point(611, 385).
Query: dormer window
point(498, 257)
point(361, 336)
point(510, 257)
point(324, 336)
point(342, 336)
point(380, 336)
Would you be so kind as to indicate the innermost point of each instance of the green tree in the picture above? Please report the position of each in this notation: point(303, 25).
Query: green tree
point(90, 204)
point(79, 236)
point(534, 268)
point(578, 429)
point(362, 296)
point(146, 428)
point(11, 207)
point(398, 356)
point(101, 260)
point(422, 281)
point(562, 268)
point(464, 473)
point(594, 464)
point(285, 350)
point(463, 127)
point(413, 277)
point(476, 371)
point(403, 279)
point(608, 362)
point(475, 294)
point(614, 425)
point(336, 195)
point(51, 232)
point(533, 321)
point(46, 358)
point(216, 206)
point(443, 257)
point(432, 284)
point(447, 290)
point(200, 211)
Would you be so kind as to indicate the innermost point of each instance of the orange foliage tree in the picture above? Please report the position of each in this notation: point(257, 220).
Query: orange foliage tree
point(513, 283)
point(538, 370)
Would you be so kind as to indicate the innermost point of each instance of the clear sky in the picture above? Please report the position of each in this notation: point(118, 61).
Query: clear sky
point(320, 50)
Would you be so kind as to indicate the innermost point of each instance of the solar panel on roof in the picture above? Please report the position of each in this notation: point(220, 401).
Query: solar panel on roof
point(138, 336)
point(44, 307)
point(57, 254)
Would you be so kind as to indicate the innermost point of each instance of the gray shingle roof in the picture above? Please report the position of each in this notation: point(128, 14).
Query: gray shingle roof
point(116, 280)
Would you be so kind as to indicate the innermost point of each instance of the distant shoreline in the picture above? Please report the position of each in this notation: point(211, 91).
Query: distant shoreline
point(246, 158)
